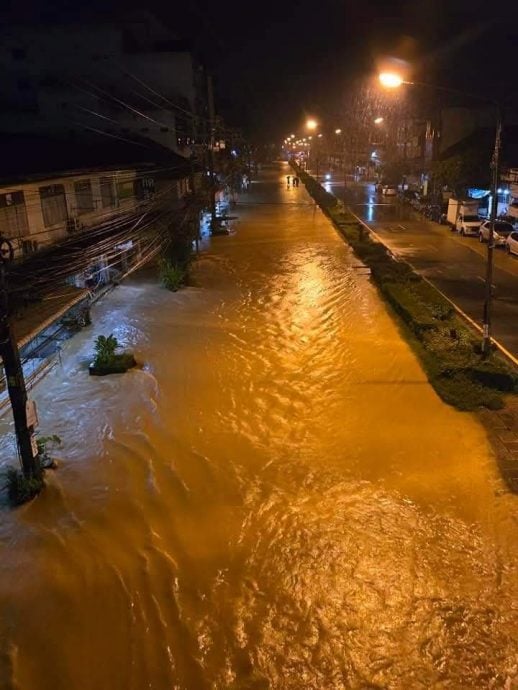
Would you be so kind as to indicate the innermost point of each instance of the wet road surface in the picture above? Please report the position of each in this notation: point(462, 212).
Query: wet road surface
point(456, 265)
point(278, 499)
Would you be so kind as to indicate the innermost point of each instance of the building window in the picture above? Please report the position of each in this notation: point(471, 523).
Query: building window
point(84, 197)
point(107, 194)
point(13, 215)
point(53, 204)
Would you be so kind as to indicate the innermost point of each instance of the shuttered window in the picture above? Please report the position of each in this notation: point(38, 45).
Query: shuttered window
point(107, 195)
point(53, 204)
point(84, 197)
point(13, 215)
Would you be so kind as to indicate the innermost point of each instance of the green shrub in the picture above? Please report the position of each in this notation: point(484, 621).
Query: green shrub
point(105, 347)
point(171, 275)
point(493, 373)
point(43, 442)
point(409, 307)
point(466, 395)
point(21, 489)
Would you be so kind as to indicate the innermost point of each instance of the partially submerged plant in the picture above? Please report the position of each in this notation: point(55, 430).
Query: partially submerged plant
point(171, 275)
point(105, 347)
point(45, 444)
point(21, 489)
point(107, 361)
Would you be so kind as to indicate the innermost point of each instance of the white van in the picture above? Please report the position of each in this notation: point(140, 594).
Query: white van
point(463, 216)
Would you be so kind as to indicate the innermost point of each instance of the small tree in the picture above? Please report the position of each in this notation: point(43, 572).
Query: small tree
point(105, 347)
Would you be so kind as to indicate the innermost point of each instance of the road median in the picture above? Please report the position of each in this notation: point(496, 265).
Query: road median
point(447, 346)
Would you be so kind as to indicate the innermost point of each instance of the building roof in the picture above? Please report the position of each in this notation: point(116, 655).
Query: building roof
point(27, 157)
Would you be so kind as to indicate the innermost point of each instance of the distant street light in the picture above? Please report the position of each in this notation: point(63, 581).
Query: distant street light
point(393, 80)
point(311, 124)
point(378, 120)
point(338, 131)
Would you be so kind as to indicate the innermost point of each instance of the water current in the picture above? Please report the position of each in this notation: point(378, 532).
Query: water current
point(277, 499)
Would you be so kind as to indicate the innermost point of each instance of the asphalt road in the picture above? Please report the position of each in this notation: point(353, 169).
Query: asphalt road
point(454, 264)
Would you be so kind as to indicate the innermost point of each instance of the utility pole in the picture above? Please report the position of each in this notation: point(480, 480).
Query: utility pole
point(14, 374)
point(212, 127)
point(486, 324)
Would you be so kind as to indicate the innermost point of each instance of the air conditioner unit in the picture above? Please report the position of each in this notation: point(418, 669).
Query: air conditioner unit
point(73, 225)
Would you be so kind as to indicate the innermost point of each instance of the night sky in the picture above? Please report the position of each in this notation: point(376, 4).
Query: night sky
point(274, 62)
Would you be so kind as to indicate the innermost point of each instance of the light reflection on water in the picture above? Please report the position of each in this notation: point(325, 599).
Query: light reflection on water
point(277, 500)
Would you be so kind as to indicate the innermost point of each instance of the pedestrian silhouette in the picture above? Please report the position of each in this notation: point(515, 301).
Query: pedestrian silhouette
point(288, 180)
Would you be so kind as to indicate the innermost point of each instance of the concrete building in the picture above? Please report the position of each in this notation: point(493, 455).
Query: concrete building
point(54, 188)
point(126, 76)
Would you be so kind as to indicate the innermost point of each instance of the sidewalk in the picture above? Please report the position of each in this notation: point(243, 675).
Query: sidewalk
point(38, 316)
point(502, 429)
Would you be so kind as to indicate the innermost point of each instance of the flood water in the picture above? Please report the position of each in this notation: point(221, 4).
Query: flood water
point(278, 499)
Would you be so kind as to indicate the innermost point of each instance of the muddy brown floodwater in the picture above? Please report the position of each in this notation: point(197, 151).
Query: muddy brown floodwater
point(277, 500)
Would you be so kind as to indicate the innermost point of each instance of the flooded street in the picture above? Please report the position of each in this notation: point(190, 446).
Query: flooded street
point(278, 499)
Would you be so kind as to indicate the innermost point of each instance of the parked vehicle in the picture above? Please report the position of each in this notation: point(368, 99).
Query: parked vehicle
point(462, 215)
point(468, 224)
point(389, 190)
point(409, 195)
point(501, 232)
point(433, 212)
point(511, 243)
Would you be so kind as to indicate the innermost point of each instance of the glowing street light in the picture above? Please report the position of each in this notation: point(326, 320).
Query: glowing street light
point(378, 120)
point(391, 80)
point(311, 124)
point(338, 131)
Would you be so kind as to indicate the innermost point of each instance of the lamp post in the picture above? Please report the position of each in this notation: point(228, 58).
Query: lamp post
point(312, 126)
point(393, 80)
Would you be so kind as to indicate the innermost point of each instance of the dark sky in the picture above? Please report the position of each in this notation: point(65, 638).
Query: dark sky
point(275, 61)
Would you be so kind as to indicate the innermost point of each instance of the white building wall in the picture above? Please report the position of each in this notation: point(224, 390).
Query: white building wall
point(124, 202)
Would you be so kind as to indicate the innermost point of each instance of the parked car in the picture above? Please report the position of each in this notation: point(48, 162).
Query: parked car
point(409, 195)
point(468, 224)
point(500, 234)
point(511, 243)
point(389, 190)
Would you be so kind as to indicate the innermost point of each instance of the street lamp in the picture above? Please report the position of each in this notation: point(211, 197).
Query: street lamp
point(378, 120)
point(311, 124)
point(338, 131)
point(393, 80)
